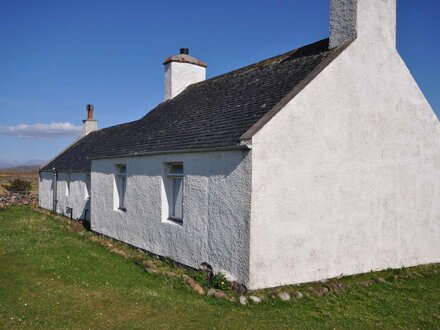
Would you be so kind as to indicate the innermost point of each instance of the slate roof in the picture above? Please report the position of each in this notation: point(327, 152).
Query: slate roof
point(213, 113)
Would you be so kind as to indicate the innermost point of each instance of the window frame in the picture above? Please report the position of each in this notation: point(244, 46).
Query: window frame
point(121, 186)
point(171, 194)
point(87, 191)
point(68, 184)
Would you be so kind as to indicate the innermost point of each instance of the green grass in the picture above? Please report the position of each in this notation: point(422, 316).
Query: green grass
point(53, 276)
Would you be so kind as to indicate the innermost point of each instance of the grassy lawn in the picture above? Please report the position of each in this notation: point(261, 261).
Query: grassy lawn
point(53, 276)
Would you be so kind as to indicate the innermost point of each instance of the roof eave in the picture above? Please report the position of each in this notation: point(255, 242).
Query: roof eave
point(175, 151)
point(63, 170)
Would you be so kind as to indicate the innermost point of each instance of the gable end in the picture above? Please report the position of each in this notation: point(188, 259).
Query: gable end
point(294, 92)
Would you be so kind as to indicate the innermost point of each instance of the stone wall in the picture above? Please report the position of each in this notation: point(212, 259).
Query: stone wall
point(10, 199)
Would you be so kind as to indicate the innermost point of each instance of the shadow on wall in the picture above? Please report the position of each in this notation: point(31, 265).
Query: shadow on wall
point(197, 164)
point(71, 197)
point(85, 214)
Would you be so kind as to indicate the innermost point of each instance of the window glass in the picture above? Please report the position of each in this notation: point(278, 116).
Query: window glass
point(174, 191)
point(88, 183)
point(176, 169)
point(176, 207)
point(68, 185)
point(121, 185)
point(122, 192)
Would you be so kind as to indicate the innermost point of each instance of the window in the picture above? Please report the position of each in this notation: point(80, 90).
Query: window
point(52, 184)
point(69, 212)
point(121, 186)
point(87, 188)
point(174, 191)
point(68, 185)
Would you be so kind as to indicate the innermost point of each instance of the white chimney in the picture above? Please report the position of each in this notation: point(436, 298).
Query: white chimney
point(89, 124)
point(373, 21)
point(181, 71)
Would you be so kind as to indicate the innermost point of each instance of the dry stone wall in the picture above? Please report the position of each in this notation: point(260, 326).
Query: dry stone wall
point(9, 199)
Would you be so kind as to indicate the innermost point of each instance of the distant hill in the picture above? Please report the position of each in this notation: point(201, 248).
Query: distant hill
point(16, 165)
point(22, 168)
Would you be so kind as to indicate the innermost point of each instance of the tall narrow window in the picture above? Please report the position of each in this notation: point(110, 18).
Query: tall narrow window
point(68, 185)
point(87, 188)
point(174, 190)
point(121, 186)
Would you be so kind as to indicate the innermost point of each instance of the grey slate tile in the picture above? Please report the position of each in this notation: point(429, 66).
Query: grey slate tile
point(209, 114)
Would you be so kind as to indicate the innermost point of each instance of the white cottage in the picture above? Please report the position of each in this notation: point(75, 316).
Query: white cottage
point(315, 163)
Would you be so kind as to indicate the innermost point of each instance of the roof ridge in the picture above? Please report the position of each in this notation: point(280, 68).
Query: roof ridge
point(212, 114)
point(244, 68)
point(259, 63)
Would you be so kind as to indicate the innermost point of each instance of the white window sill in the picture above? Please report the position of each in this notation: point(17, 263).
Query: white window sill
point(174, 221)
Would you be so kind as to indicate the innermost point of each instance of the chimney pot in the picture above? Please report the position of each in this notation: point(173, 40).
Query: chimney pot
point(184, 51)
point(89, 108)
point(89, 124)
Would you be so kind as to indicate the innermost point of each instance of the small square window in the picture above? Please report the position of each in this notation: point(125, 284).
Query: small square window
point(175, 170)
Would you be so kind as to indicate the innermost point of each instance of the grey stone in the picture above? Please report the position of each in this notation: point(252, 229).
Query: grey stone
point(367, 283)
point(284, 296)
point(335, 287)
point(255, 299)
point(12, 198)
point(239, 288)
point(193, 284)
point(216, 294)
point(243, 300)
point(150, 270)
point(170, 274)
point(298, 295)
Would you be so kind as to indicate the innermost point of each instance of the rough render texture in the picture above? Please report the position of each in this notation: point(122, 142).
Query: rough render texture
point(216, 208)
point(77, 199)
point(343, 21)
point(89, 126)
point(372, 20)
point(346, 177)
point(178, 76)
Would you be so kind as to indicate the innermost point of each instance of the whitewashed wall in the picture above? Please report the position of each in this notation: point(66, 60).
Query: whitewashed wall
point(346, 178)
point(77, 199)
point(179, 76)
point(45, 190)
point(216, 208)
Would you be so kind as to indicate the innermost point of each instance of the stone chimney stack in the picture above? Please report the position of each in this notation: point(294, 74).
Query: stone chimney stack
point(89, 124)
point(181, 71)
point(372, 21)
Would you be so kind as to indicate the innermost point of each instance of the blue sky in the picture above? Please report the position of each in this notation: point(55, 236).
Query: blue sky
point(57, 56)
